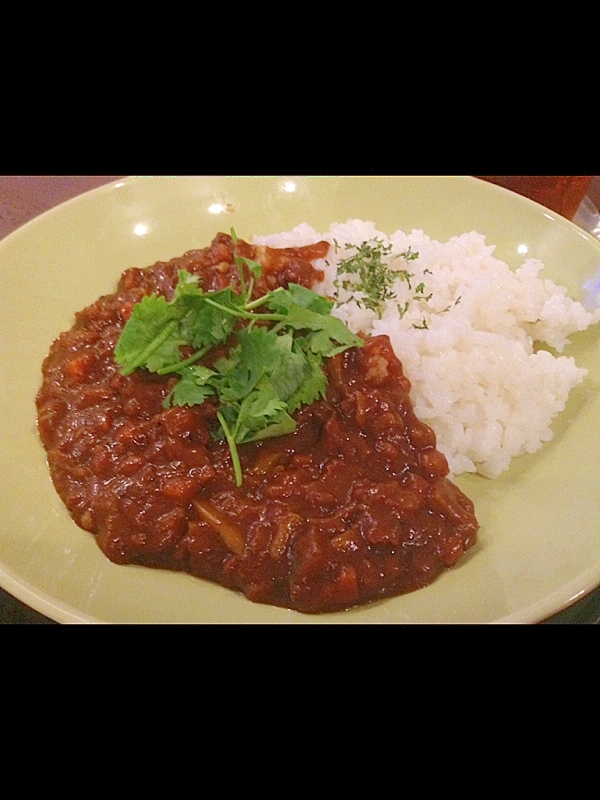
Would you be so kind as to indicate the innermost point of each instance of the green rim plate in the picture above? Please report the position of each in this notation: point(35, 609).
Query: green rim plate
point(539, 544)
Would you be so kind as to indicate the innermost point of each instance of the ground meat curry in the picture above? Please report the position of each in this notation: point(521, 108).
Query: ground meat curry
point(355, 505)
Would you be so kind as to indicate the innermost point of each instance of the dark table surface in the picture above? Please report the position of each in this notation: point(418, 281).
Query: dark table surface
point(23, 197)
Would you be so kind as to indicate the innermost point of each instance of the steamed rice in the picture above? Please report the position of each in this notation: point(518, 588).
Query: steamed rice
point(467, 338)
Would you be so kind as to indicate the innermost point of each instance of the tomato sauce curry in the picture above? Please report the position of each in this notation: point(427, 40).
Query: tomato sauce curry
point(354, 506)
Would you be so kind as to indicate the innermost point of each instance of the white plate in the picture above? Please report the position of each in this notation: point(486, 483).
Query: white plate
point(539, 543)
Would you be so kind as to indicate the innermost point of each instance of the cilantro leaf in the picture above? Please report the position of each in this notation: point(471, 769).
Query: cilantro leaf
point(289, 367)
point(282, 424)
point(245, 366)
point(334, 333)
point(281, 300)
point(193, 388)
point(206, 325)
point(187, 286)
point(157, 329)
point(169, 352)
point(313, 387)
point(152, 322)
point(262, 414)
point(260, 409)
point(262, 352)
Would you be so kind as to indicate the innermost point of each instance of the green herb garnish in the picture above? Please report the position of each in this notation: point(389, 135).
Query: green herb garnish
point(368, 272)
point(273, 367)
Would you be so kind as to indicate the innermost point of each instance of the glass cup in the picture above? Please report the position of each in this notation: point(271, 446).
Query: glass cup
point(588, 217)
point(560, 193)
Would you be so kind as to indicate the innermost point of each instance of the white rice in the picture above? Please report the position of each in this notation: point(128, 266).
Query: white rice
point(468, 342)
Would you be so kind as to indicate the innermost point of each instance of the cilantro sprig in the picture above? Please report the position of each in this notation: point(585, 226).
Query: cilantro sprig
point(275, 363)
